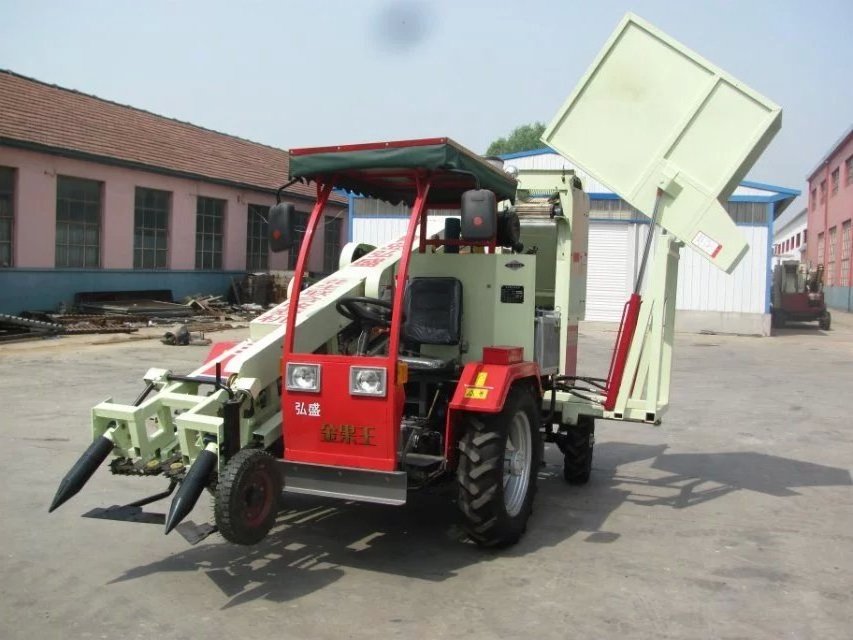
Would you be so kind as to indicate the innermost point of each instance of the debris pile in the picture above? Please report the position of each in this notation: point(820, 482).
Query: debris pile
point(127, 312)
point(184, 337)
point(20, 328)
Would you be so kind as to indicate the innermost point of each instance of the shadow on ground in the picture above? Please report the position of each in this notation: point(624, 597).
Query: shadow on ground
point(315, 539)
point(799, 329)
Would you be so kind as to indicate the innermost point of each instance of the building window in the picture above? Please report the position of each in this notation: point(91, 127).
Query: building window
point(814, 198)
point(798, 240)
point(300, 223)
point(820, 248)
point(830, 260)
point(332, 242)
point(834, 178)
point(822, 190)
point(7, 214)
point(78, 223)
point(846, 249)
point(849, 164)
point(805, 232)
point(257, 238)
point(209, 222)
point(151, 229)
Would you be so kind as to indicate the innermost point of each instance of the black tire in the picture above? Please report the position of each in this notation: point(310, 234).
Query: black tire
point(246, 501)
point(825, 321)
point(577, 447)
point(480, 474)
point(777, 319)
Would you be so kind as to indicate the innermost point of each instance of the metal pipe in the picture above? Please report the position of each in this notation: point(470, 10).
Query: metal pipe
point(141, 397)
point(283, 187)
point(648, 245)
point(176, 378)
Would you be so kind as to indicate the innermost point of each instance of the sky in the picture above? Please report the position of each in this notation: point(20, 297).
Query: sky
point(305, 73)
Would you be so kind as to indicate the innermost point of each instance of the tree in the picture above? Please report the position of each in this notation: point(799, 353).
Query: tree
point(523, 138)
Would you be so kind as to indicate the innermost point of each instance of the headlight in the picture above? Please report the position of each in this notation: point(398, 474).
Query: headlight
point(367, 381)
point(303, 377)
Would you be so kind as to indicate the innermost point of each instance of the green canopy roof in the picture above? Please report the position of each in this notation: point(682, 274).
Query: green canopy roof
point(386, 170)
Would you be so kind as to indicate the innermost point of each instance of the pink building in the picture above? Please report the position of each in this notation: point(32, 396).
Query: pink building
point(97, 196)
point(830, 215)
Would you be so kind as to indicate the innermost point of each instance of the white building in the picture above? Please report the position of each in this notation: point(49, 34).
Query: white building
point(708, 299)
point(789, 237)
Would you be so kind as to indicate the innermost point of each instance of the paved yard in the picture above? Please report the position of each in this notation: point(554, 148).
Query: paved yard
point(734, 519)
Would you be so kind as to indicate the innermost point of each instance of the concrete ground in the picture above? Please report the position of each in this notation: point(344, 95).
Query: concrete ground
point(734, 519)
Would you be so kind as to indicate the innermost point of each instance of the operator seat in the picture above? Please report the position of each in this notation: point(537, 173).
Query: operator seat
point(433, 316)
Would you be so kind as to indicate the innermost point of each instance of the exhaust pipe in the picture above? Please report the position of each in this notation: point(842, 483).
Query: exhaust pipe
point(82, 470)
point(191, 487)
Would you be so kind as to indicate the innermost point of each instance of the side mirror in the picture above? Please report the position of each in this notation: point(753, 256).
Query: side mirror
point(281, 221)
point(479, 215)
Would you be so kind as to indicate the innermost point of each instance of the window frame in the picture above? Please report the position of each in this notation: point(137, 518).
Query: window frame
point(332, 243)
point(210, 225)
point(151, 213)
point(67, 209)
point(257, 237)
point(7, 194)
point(300, 223)
point(830, 258)
point(820, 247)
point(835, 178)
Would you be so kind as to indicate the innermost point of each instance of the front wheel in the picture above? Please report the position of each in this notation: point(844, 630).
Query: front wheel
point(498, 462)
point(245, 504)
point(825, 321)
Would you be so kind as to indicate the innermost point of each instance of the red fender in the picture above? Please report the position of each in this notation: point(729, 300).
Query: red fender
point(483, 388)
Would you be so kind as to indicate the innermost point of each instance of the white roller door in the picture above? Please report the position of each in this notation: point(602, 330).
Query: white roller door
point(610, 268)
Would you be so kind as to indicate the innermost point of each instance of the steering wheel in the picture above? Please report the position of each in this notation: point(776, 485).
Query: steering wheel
point(370, 312)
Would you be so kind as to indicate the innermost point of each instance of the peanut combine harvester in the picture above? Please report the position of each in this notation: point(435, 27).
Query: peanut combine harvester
point(450, 357)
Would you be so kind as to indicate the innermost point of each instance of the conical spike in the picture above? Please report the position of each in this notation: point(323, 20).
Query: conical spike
point(82, 470)
point(191, 487)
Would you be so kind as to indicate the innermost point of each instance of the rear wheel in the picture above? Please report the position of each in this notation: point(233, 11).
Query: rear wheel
point(825, 321)
point(498, 462)
point(777, 319)
point(246, 500)
point(577, 446)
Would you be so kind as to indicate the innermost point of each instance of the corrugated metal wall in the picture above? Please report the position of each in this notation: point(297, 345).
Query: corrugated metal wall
point(703, 287)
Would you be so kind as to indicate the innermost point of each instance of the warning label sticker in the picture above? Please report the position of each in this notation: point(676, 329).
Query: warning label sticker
point(707, 244)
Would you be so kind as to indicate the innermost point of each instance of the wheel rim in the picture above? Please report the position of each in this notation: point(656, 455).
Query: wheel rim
point(256, 498)
point(517, 459)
